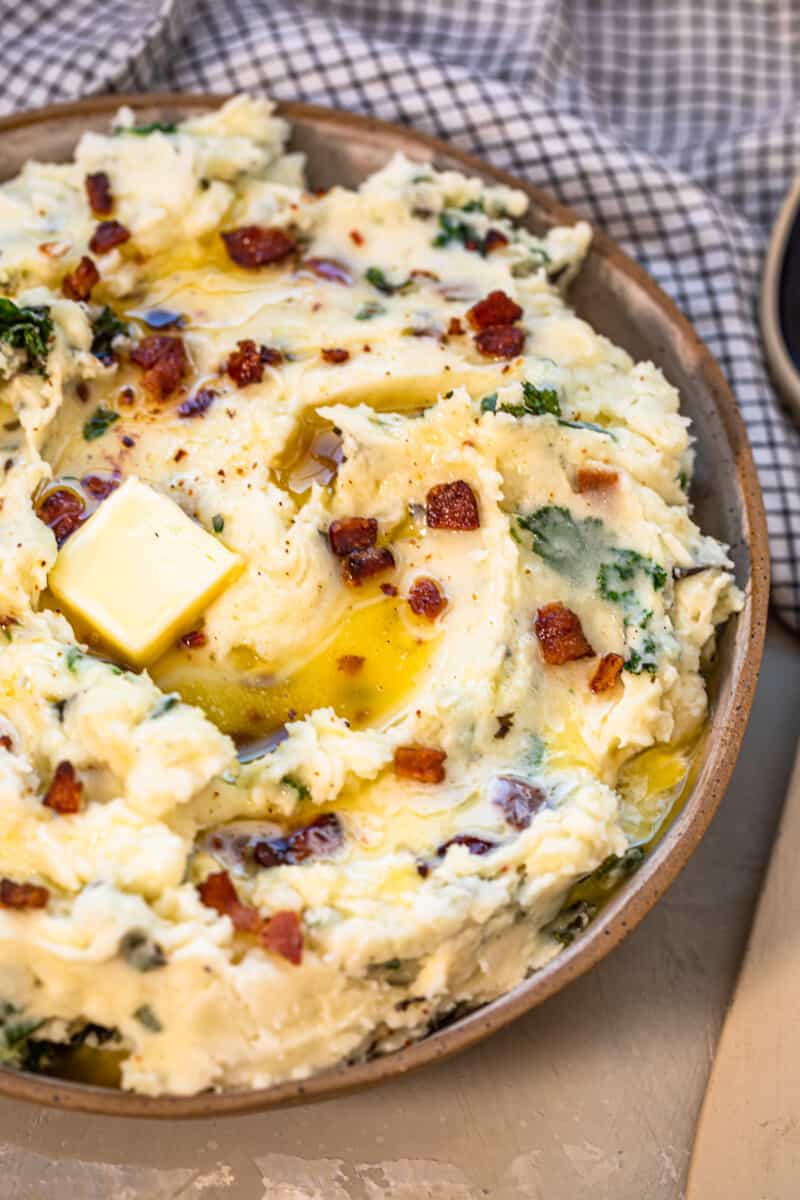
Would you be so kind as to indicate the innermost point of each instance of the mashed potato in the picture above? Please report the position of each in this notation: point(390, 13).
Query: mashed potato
point(457, 672)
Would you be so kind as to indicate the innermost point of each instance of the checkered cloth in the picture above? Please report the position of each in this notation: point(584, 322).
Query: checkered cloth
point(673, 126)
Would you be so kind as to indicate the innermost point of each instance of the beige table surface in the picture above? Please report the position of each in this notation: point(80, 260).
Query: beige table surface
point(594, 1095)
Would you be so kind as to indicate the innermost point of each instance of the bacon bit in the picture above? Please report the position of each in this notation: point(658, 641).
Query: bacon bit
point(246, 363)
point(283, 934)
point(561, 635)
point(475, 845)
point(419, 762)
point(595, 479)
point(65, 791)
point(198, 404)
point(493, 240)
point(164, 361)
point(195, 639)
point(6, 742)
point(606, 673)
point(505, 723)
point(388, 589)
point(82, 391)
point(321, 838)
point(22, 895)
point(495, 309)
point(362, 564)
point(356, 238)
point(217, 892)
point(328, 268)
point(179, 455)
point(452, 506)
point(254, 246)
point(455, 328)
point(352, 533)
point(107, 236)
point(98, 191)
point(99, 487)
point(79, 283)
point(62, 511)
point(425, 599)
point(518, 800)
point(500, 341)
point(335, 355)
point(350, 664)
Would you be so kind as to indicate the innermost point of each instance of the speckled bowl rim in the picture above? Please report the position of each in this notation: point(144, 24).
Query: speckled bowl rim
point(628, 907)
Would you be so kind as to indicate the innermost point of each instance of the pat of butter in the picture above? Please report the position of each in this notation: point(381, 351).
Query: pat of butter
point(140, 571)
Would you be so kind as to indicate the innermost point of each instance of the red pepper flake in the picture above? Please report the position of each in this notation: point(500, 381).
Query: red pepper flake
point(452, 506)
point(495, 309)
point(255, 246)
point(164, 361)
point(195, 639)
point(22, 895)
point(335, 354)
point(595, 479)
point(62, 510)
point(217, 892)
point(362, 564)
point(500, 341)
point(66, 790)
point(356, 238)
point(560, 635)
point(98, 192)
point(425, 598)
point(350, 664)
point(329, 269)
point(352, 533)
point(606, 673)
point(79, 283)
point(422, 763)
point(493, 240)
point(107, 236)
point(283, 934)
point(198, 404)
point(246, 363)
point(518, 800)
point(475, 845)
point(455, 328)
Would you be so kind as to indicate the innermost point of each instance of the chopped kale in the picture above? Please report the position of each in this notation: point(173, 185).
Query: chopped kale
point(15, 1030)
point(454, 229)
point(217, 523)
point(571, 921)
point(683, 481)
point(536, 401)
point(539, 258)
point(148, 127)
point(99, 423)
point(623, 569)
point(74, 656)
point(489, 403)
point(562, 541)
point(300, 788)
point(377, 278)
point(140, 951)
point(164, 705)
point(145, 1016)
point(369, 309)
point(586, 425)
point(105, 327)
point(29, 329)
point(616, 867)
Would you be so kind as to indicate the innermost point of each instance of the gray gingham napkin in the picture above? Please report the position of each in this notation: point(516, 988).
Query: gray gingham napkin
point(673, 126)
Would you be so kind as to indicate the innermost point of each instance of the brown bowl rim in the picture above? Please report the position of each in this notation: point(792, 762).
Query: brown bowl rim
point(626, 909)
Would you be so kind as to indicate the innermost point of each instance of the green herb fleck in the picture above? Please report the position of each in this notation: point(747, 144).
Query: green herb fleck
point(489, 403)
point(571, 921)
point(377, 278)
point(74, 657)
point(563, 542)
point(164, 705)
point(14, 1033)
point(140, 951)
point(683, 481)
point(145, 1016)
point(148, 127)
point(99, 423)
point(300, 788)
point(105, 327)
point(28, 329)
point(586, 425)
point(539, 258)
point(218, 523)
point(536, 402)
point(623, 569)
point(369, 309)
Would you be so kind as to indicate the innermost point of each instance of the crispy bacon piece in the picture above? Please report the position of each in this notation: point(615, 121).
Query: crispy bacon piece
point(328, 268)
point(475, 845)
point(217, 892)
point(98, 192)
point(500, 341)
point(452, 506)
point(321, 838)
point(79, 283)
point(422, 763)
point(198, 404)
point(6, 742)
point(455, 328)
point(362, 564)
point(107, 236)
point(350, 664)
point(22, 895)
point(246, 363)
point(560, 635)
point(595, 479)
point(352, 533)
point(163, 359)
point(62, 510)
point(518, 800)
point(65, 792)
point(495, 309)
point(425, 598)
point(255, 246)
point(606, 673)
point(195, 639)
point(335, 354)
point(493, 240)
point(283, 934)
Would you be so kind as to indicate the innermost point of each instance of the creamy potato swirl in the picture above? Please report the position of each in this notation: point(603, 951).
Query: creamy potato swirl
point(458, 673)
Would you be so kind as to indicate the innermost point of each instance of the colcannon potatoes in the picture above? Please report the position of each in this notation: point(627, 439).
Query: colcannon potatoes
point(352, 610)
